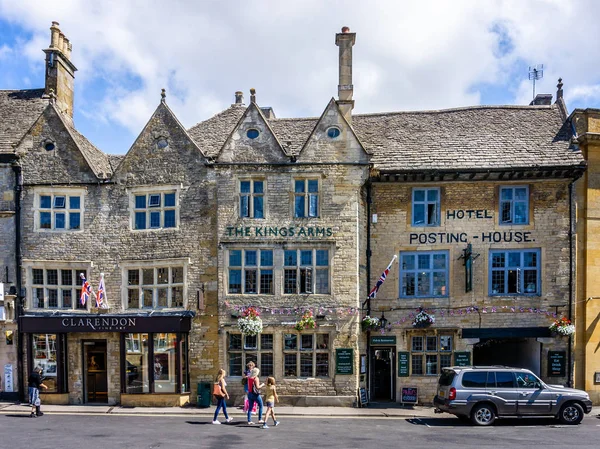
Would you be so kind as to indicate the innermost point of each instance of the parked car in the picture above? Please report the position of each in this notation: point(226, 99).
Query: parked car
point(484, 393)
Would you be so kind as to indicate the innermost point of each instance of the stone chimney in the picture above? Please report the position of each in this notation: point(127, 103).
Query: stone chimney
point(541, 100)
point(60, 71)
point(345, 40)
point(239, 97)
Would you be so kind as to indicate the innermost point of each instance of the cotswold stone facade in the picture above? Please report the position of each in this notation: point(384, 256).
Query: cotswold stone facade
point(294, 218)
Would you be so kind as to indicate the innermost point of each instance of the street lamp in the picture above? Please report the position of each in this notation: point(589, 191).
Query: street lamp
point(383, 321)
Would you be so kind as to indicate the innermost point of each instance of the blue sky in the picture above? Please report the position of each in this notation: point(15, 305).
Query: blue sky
point(408, 56)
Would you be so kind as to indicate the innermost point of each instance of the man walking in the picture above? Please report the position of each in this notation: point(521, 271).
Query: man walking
point(35, 382)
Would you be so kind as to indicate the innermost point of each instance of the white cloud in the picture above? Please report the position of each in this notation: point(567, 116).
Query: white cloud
point(408, 55)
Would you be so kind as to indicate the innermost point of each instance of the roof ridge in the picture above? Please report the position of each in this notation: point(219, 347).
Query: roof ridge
point(222, 111)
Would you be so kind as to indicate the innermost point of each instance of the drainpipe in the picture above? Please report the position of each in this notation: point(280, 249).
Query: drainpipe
point(368, 367)
point(19, 309)
point(571, 268)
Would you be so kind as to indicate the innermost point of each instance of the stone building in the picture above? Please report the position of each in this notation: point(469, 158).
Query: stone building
point(294, 218)
point(586, 126)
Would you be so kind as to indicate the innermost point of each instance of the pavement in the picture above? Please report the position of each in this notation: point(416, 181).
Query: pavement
point(374, 410)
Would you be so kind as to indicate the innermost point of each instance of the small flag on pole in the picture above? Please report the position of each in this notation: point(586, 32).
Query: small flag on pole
point(381, 279)
point(101, 302)
point(86, 290)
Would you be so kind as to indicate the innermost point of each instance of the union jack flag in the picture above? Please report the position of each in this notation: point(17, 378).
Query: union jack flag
point(86, 290)
point(101, 302)
point(381, 279)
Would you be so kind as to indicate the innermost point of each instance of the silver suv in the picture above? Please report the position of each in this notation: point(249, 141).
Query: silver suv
point(483, 393)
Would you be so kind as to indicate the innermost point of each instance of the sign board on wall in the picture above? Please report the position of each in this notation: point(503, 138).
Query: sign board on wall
point(344, 361)
point(403, 364)
point(409, 395)
point(8, 378)
point(557, 363)
point(462, 358)
point(384, 340)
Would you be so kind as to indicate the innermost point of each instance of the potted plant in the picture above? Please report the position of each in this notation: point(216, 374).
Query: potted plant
point(306, 322)
point(562, 327)
point(250, 322)
point(370, 323)
point(423, 319)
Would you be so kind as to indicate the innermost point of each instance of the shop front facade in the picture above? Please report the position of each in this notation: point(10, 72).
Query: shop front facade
point(110, 359)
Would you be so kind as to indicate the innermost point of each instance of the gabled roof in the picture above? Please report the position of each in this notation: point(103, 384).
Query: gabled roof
point(18, 110)
point(478, 137)
point(98, 161)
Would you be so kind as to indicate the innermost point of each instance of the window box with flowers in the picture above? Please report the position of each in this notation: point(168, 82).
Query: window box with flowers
point(250, 322)
point(306, 322)
point(423, 319)
point(562, 327)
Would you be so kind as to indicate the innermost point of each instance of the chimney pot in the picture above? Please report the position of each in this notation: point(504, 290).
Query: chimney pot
point(61, 42)
point(67, 48)
point(239, 97)
point(54, 32)
point(345, 41)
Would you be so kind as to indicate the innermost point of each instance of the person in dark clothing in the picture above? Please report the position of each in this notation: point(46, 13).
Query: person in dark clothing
point(35, 383)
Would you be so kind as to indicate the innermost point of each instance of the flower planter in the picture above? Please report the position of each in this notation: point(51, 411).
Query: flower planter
point(422, 324)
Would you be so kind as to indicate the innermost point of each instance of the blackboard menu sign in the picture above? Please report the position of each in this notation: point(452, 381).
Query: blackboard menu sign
point(403, 364)
point(344, 361)
point(410, 395)
point(557, 363)
point(363, 396)
point(462, 358)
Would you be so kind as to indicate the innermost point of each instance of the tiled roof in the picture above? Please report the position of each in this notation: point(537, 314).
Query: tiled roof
point(18, 110)
point(477, 137)
point(210, 135)
point(474, 137)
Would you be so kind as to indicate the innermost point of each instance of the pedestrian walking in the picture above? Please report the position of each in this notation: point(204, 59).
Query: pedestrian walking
point(270, 399)
point(254, 387)
point(220, 394)
point(35, 383)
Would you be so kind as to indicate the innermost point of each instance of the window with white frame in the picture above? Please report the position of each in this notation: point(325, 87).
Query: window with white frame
point(55, 288)
point(514, 205)
point(251, 271)
point(306, 355)
point(155, 287)
point(515, 272)
point(423, 274)
point(426, 206)
point(246, 348)
point(155, 209)
point(306, 271)
point(252, 198)
point(59, 210)
point(306, 198)
point(430, 353)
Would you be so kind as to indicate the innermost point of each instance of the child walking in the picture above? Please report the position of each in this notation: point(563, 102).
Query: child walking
point(220, 397)
point(270, 397)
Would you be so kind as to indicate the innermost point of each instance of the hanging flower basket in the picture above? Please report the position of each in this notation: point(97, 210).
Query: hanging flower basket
point(423, 319)
point(370, 323)
point(250, 322)
point(306, 322)
point(562, 327)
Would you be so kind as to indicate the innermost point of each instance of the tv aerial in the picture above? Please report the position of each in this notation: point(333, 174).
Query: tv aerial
point(536, 72)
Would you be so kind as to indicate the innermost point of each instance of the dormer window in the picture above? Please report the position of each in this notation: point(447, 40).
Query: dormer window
point(155, 208)
point(58, 209)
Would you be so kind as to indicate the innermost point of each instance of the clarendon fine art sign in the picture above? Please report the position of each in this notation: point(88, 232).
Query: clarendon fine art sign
point(278, 231)
point(105, 323)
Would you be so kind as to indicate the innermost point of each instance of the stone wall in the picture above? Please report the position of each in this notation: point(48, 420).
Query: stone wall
point(547, 230)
